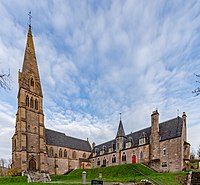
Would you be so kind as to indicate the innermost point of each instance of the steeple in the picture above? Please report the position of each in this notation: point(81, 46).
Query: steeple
point(29, 78)
point(29, 143)
point(120, 132)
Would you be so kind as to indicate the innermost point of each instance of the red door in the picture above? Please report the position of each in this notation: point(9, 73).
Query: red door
point(133, 159)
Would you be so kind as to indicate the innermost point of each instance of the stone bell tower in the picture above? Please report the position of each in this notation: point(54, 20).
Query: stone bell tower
point(28, 141)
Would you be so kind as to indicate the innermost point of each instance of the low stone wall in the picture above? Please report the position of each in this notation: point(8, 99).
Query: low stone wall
point(38, 177)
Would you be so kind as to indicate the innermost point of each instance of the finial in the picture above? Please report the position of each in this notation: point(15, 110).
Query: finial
point(177, 112)
point(120, 116)
point(30, 16)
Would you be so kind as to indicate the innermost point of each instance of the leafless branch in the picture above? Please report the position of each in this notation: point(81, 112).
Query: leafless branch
point(197, 75)
point(5, 80)
point(197, 90)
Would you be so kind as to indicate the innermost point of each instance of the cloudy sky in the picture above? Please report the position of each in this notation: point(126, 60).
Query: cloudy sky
point(99, 58)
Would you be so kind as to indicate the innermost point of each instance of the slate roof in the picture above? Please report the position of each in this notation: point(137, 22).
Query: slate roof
point(120, 132)
point(60, 139)
point(168, 130)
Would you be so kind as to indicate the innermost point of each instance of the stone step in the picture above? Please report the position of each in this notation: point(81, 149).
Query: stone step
point(195, 178)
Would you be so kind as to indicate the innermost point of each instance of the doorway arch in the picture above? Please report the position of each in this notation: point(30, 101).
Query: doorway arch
point(32, 165)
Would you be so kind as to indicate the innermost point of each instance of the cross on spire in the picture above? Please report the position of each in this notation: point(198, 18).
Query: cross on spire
point(120, 116)
point(30, 16)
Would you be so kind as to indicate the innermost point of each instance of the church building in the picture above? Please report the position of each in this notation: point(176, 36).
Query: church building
point(163, 146)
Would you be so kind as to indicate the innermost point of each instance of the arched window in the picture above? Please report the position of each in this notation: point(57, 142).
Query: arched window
point(141, 155)
point(32, 82)
point(84, 155)
point(51, 152)
point(14, 144)
point(36, 104)
point(27, 101)
point(113, 159)
point(164, 151)
point(60, 152)
point(35, 130)
point(104, 161)
point(65, 153)
point(74, 155)
point(98, 162)
point(28, 128)
point(124, 157)
point(31, 103)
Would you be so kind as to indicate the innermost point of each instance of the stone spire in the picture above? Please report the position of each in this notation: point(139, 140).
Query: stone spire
point(120, 132)
point(29, 77)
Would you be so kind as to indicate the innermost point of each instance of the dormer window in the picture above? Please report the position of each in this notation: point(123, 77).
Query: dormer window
point(104, 149)
point(96, 151)
point(143, 139)
point(129, 142)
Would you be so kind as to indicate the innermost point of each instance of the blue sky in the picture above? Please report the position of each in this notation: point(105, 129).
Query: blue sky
point(99, 58)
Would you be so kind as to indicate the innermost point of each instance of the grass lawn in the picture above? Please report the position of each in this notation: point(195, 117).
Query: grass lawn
point(123, 173)
point(120, 173)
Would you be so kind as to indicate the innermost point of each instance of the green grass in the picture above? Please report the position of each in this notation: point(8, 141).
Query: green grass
point(120, 173)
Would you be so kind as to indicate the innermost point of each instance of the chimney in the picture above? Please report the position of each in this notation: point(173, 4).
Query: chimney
point(93, 144)
point(155, 121)
point(184, 126)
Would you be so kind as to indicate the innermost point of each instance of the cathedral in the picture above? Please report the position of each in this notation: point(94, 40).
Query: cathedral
point(162, 146)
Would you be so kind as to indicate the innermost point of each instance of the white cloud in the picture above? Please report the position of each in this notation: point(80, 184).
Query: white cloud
point(98, 59)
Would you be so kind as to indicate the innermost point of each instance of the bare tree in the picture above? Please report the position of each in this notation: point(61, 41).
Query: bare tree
point(2, 162)
point(9, 162)
point(197, 90)
point(198, 152)
point(192, 154)
point(5, 80)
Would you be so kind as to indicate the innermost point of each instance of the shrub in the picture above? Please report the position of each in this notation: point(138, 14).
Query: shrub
point(14, 172)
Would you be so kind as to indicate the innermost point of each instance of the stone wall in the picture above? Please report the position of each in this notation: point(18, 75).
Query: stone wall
point(128, 152)
point(172, 156)
point(60, 164)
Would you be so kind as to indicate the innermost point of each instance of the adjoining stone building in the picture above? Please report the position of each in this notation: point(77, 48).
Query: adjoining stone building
point(162, 146)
